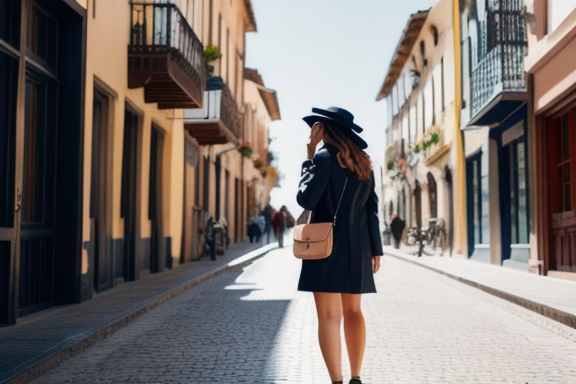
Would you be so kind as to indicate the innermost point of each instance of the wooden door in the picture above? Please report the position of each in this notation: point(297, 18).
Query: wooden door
point(37, 212)
point(562, 187)
point(99, 201)
point(8, 198)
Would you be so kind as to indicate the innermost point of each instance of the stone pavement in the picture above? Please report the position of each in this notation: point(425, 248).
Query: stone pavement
point(552, 297)
point(250, 325)
point(423, 328)
point(40, 341)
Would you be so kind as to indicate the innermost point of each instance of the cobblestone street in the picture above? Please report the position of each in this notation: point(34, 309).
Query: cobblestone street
point(252, 326)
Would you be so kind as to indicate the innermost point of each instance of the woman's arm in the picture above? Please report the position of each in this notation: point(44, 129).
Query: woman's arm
point(314, 179)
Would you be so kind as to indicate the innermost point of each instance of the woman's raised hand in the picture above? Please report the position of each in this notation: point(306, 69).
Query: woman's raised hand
point(316, 135)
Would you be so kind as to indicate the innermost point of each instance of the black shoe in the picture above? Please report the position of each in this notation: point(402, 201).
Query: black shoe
point(355, 380)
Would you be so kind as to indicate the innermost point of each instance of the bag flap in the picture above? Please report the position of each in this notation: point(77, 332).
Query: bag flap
point(312, 232)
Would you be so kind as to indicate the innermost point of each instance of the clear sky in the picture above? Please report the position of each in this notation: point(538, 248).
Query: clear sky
point(322, 53)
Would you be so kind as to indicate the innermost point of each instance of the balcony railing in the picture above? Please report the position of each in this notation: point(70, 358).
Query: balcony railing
point(219, 121)
point(502, 70)
point(165, 56)
point(500, 73)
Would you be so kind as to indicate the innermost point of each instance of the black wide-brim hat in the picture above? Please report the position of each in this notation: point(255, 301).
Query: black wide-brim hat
point(340, 119)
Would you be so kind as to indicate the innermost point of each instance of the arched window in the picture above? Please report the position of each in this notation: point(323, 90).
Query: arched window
point(418, 203)
point(423, 52)
point(435, 34)
point(433, 195)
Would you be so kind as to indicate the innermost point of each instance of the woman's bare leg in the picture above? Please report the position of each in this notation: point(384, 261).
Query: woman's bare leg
point(354, 331)
point(329, 308)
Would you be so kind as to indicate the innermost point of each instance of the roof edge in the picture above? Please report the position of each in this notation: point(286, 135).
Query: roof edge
point(415, 22)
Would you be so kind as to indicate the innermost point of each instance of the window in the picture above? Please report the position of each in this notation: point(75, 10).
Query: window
point(35, 151)
point(432, 195)
point(478, 202)
point(423, 52)
point(402, 204)
point(476, 207)
point(435, 35)
point(10, 22)
point(206, 183)
point(42, 35)
point(442, 82)
point(8, 91)
point(433, 102)
point(518, 192)
point(423, 112)
point(564, 165)
point(485, 209)
point(228, 56)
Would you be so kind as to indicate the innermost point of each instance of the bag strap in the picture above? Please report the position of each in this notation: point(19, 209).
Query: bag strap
point(339, 201)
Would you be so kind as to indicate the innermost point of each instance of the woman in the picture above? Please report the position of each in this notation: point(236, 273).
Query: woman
point(340, 169)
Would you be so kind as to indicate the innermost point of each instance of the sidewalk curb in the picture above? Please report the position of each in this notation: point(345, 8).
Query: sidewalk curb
point(52, 359)
point(542, 309)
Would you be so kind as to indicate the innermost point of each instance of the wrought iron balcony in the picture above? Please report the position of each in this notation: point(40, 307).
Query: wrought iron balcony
point(219, 121)
point(498, 85)
point(165, 57)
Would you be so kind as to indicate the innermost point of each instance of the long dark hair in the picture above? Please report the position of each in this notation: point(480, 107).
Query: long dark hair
point(349, 156)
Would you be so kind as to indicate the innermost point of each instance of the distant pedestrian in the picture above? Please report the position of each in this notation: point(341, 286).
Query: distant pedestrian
point(397, 226)
point(252, 230)
point(279, 223)
point(209, 243)
point(340, 170)
point(261, 222)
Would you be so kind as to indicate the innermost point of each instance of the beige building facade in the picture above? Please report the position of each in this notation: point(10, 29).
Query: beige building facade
point(119, 142)
point(420, 158)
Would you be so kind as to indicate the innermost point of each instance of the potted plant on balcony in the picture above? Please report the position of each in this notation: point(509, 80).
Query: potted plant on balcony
point(245, 150)
point(258, 164)
point(211, 54)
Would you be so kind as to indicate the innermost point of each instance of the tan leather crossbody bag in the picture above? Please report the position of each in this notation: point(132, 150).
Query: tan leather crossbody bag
point(315, 241)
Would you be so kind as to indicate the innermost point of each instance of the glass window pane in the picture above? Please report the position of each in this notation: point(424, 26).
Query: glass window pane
point(8, 91)
point(10, 22)
point(34, 153)
point(42, 35)
point(485, 211)
point(476, 194)
point(522, 195)
point(512, 176)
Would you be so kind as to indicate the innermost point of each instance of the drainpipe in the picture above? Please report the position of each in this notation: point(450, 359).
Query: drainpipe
point(460, 222)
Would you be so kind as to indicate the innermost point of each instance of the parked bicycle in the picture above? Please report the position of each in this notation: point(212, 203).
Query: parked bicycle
point(429, 238)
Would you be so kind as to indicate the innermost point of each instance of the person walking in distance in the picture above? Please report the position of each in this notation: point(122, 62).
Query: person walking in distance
point(278, 224)
point(340, 168)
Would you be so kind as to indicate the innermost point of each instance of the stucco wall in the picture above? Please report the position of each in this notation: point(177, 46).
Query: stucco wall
point(107, 60)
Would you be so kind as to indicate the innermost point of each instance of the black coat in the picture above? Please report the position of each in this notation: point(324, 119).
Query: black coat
point(357, 234)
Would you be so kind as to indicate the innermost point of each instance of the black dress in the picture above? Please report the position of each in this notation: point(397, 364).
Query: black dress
point(357, 234)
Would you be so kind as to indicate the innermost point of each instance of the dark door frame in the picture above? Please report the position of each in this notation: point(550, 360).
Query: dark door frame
point(159, 259)
point(100, 193)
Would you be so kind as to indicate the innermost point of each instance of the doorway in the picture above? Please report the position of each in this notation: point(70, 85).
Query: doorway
point(125, 267)
point(159, 260)
point(37, 199)
point(103, 261)
point(561, 168)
